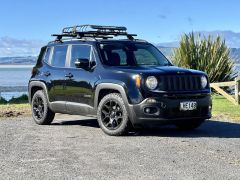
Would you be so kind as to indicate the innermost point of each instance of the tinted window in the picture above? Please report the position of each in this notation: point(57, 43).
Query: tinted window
point(59, 56)
point(130, 54)
point(122, 56)
point(144, 56)
point(79, 51)
point(47, 55)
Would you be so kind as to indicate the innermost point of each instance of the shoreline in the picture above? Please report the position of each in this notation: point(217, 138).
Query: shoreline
point(16, 65)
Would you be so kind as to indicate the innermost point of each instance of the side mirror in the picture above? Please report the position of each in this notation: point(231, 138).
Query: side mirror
point(82, 63)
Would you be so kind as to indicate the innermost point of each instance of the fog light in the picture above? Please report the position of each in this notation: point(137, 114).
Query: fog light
point(147, 110)
point(150, 110)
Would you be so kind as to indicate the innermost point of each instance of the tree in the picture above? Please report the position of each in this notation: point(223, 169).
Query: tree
point(205, 54)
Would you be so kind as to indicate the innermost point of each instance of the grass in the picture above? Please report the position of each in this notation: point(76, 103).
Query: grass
point(223, 109)
point(14, 110)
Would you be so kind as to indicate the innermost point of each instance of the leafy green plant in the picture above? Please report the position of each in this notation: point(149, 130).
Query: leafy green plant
point(206, 54)
point(21, 99)
point(2, 100)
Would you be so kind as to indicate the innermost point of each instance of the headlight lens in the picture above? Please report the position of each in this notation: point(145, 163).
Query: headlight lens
point(204, 82)
point(151, 82)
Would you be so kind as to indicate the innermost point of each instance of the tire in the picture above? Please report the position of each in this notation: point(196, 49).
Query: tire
point(190, 125)
point(41, 112)
point(112, 115)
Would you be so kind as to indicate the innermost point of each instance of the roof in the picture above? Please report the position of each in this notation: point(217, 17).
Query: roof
point(88, 40)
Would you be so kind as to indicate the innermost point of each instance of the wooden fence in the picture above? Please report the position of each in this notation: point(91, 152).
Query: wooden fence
point(234, 99)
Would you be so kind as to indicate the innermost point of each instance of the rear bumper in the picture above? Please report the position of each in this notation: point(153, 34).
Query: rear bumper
point(166, 110)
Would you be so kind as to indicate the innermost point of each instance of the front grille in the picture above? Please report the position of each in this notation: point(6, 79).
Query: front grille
point(180, 82)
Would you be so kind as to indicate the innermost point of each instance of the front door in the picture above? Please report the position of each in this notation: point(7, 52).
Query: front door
point(79, 89)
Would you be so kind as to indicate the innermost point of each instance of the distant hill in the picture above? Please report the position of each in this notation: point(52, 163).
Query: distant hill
point(234, 52)
point(18, 60)
point(167, 51)
point(232, 38)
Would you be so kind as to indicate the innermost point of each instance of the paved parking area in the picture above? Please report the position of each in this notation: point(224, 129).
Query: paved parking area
point(74, 147)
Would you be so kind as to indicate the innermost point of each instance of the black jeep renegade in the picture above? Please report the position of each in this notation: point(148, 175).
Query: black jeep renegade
point(126, 83)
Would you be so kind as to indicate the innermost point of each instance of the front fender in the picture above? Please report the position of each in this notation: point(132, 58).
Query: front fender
point(119, 88)
point(113, 86)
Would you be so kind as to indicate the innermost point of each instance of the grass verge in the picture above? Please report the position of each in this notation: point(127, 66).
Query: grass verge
point(14, 110)
point(223, 109)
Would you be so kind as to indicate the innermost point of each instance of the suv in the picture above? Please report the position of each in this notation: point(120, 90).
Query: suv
point(125, 83)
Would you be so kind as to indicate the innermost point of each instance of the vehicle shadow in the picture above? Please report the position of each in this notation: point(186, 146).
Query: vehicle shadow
point(83, 122)
point(211, 128)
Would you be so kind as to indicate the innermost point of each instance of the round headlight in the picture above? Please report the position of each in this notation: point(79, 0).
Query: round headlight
point(151, 82)
point(204, 82)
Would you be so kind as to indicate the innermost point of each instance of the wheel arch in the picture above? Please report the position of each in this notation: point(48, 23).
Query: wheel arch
point(106, 88)
point(111, 87)
point(34, 86)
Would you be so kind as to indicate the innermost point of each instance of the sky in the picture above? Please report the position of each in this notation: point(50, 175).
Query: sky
point(29, 23)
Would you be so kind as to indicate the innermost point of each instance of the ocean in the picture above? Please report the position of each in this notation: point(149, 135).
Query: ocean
point(14, 79)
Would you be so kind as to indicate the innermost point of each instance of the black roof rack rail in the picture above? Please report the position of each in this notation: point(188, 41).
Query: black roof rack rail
point(93, 31)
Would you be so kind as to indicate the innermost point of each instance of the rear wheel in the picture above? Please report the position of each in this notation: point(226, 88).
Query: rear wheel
point(112, 115)
point(189, 125)
point(41, 113)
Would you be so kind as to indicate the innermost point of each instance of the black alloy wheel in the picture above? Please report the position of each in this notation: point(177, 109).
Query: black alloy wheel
point(111, 115)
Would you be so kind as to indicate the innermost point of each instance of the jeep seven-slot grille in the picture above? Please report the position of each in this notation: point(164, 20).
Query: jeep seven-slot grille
point(180, 82)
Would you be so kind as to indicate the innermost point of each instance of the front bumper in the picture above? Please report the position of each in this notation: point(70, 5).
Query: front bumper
point(166, 109)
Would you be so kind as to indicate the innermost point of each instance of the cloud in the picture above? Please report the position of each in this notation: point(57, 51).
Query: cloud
point(19, 47)
point(162, 16)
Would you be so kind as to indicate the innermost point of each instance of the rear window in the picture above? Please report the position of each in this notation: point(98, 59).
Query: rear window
point(47, 55)
point(59, 56)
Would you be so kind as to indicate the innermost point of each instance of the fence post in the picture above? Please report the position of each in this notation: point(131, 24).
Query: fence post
point(237, 89)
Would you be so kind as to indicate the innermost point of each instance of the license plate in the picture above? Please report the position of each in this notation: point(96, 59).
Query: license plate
point(188, 106)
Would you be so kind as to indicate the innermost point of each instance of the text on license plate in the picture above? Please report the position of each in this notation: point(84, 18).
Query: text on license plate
point(188, 105)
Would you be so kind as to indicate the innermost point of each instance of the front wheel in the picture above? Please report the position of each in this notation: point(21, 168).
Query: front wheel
point(189, 125)
point(112, 115)
point(41, 113)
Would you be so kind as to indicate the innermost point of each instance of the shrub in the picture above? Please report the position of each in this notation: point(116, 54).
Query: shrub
point(21, 99)
point(2, 100)
point(206, 54)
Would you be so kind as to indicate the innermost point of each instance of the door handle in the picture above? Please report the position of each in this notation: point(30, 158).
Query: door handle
point(47, 73)
point(69, 75)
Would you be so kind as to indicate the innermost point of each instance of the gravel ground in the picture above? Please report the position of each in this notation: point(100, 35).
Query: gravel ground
point(74, 147)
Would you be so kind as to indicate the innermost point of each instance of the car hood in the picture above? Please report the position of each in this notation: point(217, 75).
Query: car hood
point(156, 70)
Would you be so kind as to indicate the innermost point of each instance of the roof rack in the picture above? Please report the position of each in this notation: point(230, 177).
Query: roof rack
point(93, 31)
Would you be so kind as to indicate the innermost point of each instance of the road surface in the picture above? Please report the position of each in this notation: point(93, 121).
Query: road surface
point(74, 147)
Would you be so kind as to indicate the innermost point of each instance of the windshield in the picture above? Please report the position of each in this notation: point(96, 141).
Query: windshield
point(132, 54)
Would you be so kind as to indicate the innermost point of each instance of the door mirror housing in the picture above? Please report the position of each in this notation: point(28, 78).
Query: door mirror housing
point(83, 63)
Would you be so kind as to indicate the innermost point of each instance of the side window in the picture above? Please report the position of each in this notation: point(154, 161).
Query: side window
point(80, 51)
point(59, 56)
point(47, 55)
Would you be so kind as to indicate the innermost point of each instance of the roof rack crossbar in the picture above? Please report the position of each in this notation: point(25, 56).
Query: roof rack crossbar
point(94, 31)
